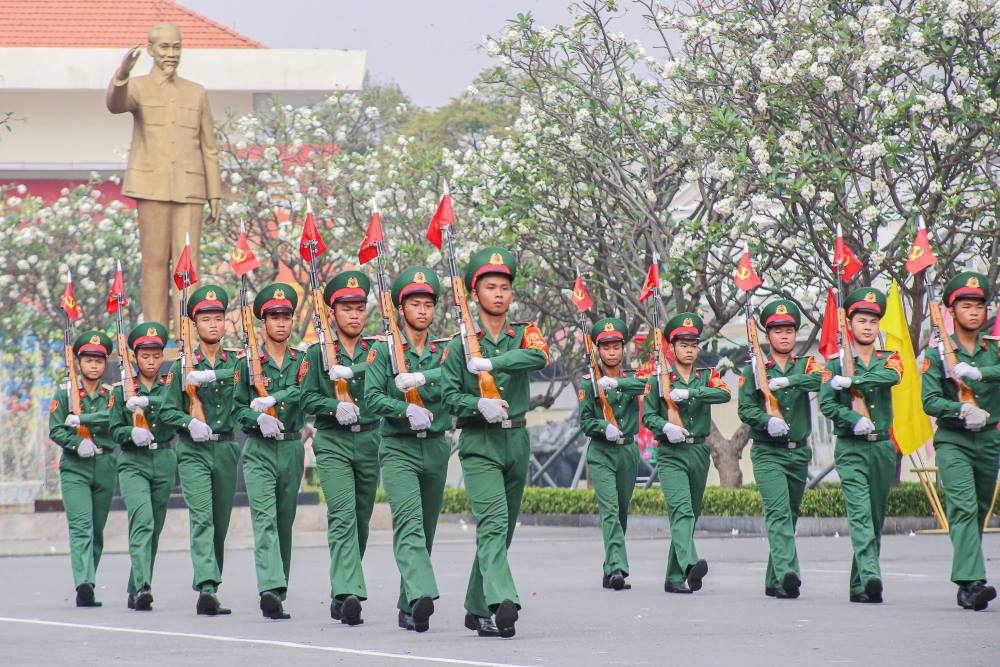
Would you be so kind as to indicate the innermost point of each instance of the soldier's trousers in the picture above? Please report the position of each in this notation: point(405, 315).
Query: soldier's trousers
point(495, 465)
point(87, 488)
point(208, 480)
point(146, 479)
point(781, 478)
point(968, 467)
point(866, 470)
point(347, 463)
point(414, 471)
point(272, 470)
point(613, 468)
point(683, 470)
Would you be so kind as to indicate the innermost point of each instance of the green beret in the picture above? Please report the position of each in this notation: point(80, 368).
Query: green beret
point(147, 334)
point(275, 298)
point(609, 329)
point(347, 286)
point(683, 325)
point(490, 260)
point(415, 280)
point(208, 299)
point(93, 342)
point(780, 312)
point(966, 285)
point(865, 300)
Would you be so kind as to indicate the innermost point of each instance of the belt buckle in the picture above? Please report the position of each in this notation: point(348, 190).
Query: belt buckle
point(214, 437)
point(355, 428)
point(152, 446)
point(279, 436)
point(421, 434)
point(793, 445)
point(689, 440)
point(506, 423)
point(872, 437)
point(620, 441)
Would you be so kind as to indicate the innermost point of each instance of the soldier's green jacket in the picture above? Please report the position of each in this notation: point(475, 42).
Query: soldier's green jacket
point(93, 414)
point(940, 397)
point(705, 388)
point(805, 374)
point(520, 349)
point(121, 416)
point(875, 382)
point(216, 397)
point(624, 404)
point(385, 400)
point(283, 384)
point(317, 388)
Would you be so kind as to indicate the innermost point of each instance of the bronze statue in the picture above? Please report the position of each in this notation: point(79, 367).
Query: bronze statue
point(173, 165)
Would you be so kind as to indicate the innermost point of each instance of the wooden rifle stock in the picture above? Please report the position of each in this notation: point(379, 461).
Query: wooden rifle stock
point(412, 395)
point(487, 384)
point(771, 405)
point(73, 388)
point(341, 390)
point(663, 379)
point(252, 351)
point(595, 375)
point(946, 349)
point(847, 366)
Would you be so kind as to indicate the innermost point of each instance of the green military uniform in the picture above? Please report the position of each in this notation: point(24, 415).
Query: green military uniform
point(87, 483)
point(146, 471)
point(866, 463)
point(414, 463)
point(613, 464)
point(967, 459)
point(273, 465)
point(207, 469)
point(346, 454)
point(781, 463)
point(683, 465)
point(494, 456)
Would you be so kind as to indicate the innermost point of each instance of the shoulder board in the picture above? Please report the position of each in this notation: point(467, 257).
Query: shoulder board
point(992, 338)
point(378, 338)
point(233, 350)
point(110, 387)
point(302, 347)
point(584, 378)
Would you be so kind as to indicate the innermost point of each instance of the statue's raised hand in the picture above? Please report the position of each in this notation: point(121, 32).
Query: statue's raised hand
point(128, 62)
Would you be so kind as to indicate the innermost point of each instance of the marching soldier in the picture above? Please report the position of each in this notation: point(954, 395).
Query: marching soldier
point(865, 455)
point(346, 442)
point(682, 456)
point(207, 452)
point(494, 446)
point(780, 452)
point(966, 441)
point(273, 454)
point(147, 466)
point(414, 451)
point(87, 466)
point(612, 453)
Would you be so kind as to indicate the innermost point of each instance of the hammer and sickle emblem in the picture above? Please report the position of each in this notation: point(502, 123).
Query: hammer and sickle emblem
point(69, 301)
point(578, 294)
point(743, 273)
point(916, 252)
point(239, 254)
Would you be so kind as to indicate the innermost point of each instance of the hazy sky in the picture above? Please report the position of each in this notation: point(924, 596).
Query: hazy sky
point(431, 48)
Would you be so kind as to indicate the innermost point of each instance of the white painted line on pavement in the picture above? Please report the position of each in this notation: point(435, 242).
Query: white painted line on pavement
point(260, 642)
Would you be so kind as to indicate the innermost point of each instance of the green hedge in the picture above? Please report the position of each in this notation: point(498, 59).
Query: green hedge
point(907, 499)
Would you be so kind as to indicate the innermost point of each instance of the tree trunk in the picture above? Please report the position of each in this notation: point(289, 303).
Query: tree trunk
point(726, 454)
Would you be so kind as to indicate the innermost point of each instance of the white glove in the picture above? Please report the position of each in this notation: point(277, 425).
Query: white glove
point(675, 433)
point(777, 427)
point(137, 403)
point(406, 381)
point(338, 372)
point(494, 410)
point(86, 448)
point(778, 383)
point(965, 371)
point(200, 377)
point(974, 417)
point(347, 413)
point(679, 395)
point(142, 437)
point(72, 420)
point(262, 403)
point(864, 426)
point(199, 430)
point(606, 382)
point(269, 426)
point(420, 418)
point(479, 364)
point(612, 432)
point(840, 382)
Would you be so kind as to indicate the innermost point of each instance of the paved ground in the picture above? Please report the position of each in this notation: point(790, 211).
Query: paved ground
point(567, 618)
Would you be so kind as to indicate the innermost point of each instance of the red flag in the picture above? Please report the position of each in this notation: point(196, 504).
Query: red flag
point(828, 337)
point(746, 277)
point(581, 299)
point(996, 331)
point(368, 250)
point(117, 288)
point(243, 260)
point(844, 259)
point(652, 283)
point(68, 301)
point(184, 271)
point(921, 254)
point(444, 216)
point(310, 234)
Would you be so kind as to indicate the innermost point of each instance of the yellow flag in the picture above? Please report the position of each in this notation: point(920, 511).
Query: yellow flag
point(911, 427)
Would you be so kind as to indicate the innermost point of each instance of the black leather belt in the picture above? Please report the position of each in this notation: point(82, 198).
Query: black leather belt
point(357, 428)
point(781, 444)
point(280, 436)
point(504, 424)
